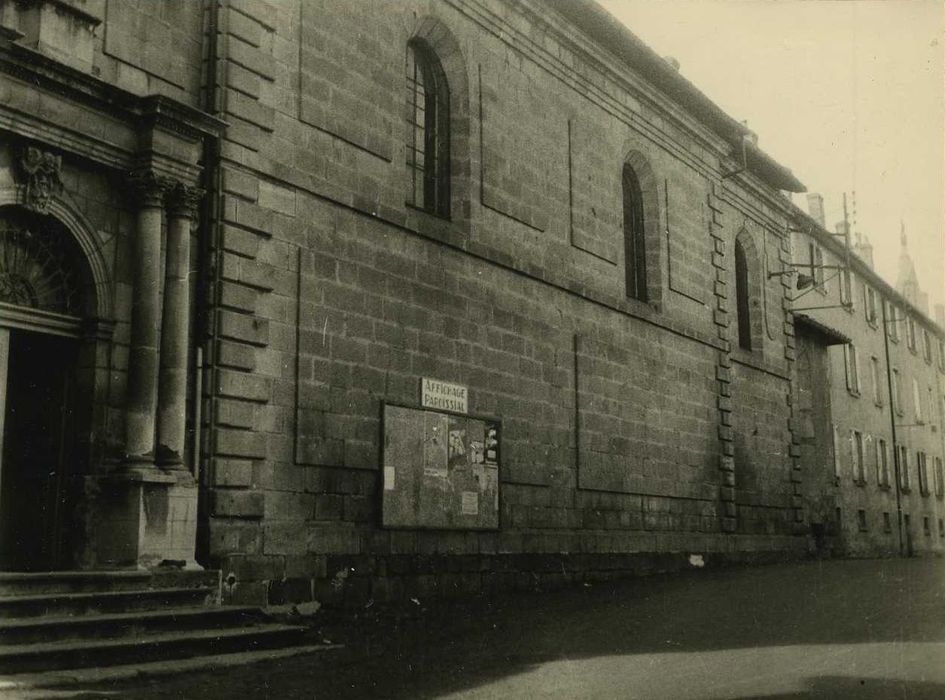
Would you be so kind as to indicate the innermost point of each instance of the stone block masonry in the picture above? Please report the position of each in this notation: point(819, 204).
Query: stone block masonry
point(621, 424)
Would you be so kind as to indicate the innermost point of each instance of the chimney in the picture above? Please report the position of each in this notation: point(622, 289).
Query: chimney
point(864, 249)
point(815, 207)
point(842, 227)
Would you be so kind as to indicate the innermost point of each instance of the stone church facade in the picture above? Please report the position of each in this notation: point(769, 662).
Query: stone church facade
point(250, 232)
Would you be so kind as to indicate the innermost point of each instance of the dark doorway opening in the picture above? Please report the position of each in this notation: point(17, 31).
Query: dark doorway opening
point(38, 443)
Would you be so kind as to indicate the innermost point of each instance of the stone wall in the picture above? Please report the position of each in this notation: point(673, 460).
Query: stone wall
point(331, 296)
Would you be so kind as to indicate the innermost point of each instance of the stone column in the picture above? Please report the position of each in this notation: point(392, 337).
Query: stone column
point(143, 357)
point(172, 408)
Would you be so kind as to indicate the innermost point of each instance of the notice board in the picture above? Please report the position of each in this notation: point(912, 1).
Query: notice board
point(441, 470)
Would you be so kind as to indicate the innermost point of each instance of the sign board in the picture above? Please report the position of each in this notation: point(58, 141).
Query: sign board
point(444, 396)
point(440, 470)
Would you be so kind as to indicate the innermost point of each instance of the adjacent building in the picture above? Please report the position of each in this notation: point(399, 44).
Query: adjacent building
point(870, 393)
point(411, 299)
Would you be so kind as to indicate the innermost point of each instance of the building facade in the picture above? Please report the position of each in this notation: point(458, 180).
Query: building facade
point(402, 299)
point(871, 400)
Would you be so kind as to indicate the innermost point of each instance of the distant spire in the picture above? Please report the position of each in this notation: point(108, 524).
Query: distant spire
point(902, 232)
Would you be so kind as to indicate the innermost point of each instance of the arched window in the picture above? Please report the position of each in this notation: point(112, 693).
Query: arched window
point(742, 301)
point(428, 130)
point(634, 235)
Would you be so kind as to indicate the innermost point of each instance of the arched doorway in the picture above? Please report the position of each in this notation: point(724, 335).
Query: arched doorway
point(46, 292)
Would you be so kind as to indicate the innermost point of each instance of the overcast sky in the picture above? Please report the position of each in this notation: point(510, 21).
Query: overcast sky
point(848, 95)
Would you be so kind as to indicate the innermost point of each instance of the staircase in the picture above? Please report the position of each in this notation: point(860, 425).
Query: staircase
point(54, 621)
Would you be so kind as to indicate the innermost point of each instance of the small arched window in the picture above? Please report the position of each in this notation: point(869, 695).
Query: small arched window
point(428, 130)
point(634, 235)
point(742, 300)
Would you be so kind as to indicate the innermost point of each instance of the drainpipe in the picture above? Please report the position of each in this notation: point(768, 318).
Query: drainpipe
point(207, 287)
point(892, 424)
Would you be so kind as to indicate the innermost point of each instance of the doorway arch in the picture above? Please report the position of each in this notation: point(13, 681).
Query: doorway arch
point(51, 311)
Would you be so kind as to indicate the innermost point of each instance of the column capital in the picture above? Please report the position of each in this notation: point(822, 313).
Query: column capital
point(183, 200)
point(147, 188)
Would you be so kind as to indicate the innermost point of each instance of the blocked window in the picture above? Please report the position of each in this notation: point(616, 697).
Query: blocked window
point(887, 522)
point(927, 346)
point(917, 401)
point(634, 234)
point(941, 527)
point(927, 526)
point(861, 519)
point(428, 130)
point(910, 333)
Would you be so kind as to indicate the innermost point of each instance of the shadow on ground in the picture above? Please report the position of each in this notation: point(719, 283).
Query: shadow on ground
point(457, 648)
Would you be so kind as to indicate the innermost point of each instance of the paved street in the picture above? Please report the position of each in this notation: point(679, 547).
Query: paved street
point(863, 629)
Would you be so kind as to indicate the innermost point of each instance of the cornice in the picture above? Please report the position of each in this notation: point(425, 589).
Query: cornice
point(45, 73)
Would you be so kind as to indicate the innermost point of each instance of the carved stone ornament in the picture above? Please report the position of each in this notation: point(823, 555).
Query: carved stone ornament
point(39, 173)
point(183, 200)
point(147, 188)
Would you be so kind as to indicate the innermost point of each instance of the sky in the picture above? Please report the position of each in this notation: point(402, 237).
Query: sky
point(849, 95)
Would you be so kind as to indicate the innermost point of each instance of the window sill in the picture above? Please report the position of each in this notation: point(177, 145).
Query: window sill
point(872, 324)
point(885, 487)
point(854, 393)
point(860, 482)
point(433, 214)
point(878, 404)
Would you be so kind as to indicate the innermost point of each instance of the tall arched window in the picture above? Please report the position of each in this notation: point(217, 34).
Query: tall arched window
point(742, 301)
point(634, 235)
point(428, 130)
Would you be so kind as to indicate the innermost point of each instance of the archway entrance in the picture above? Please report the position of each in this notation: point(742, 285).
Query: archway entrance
point(43, 285)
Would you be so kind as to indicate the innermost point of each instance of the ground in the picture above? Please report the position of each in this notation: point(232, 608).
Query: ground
point(863, 629)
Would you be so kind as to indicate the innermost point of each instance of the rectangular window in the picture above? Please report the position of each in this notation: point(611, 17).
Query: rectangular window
point(817, 266)
point(917, 401)
point(939, 478)
point(892, 322)
point(870, 303)
point(846, 288)
point(856, 454)
point(927, 346)
point(903, 463)
point(861, 519)
point(941, 527)
point(897, 392)
point(882, 463)
point(921, 460)
point(887, 523)
point(876, 379)
point(910, 333)
point(852, 369)
point(931, 414)
point(926, 526)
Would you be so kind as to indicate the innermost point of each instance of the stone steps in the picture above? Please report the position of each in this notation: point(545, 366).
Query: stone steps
point(54, 622)
point(46, 656)
point(29, 630)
